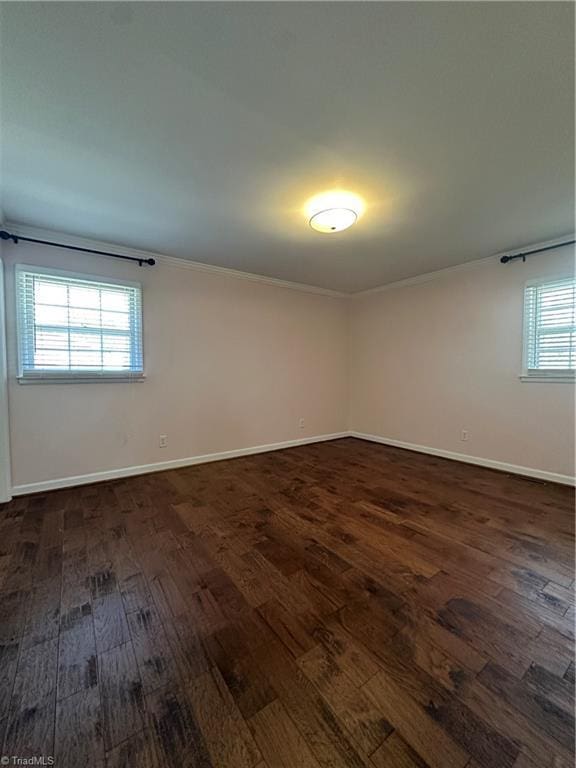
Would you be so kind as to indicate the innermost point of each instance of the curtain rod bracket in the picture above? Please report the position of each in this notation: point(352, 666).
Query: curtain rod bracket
point(7, 236)
point(4, 235)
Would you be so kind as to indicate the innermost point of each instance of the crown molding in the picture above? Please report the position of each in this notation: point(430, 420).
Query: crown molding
point(180, 263)
point(427, 277)
point(467, 265)
point(24, 230)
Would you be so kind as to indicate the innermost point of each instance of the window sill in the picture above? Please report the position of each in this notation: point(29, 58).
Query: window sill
point(548, 379)
point(80, 379)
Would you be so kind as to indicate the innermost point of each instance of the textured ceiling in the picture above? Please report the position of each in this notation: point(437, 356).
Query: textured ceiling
point(200, 129)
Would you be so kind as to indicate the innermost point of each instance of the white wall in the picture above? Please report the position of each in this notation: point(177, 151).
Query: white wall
point(5, 479)
point(234, 364)
point(230, 364)
point(433, 358)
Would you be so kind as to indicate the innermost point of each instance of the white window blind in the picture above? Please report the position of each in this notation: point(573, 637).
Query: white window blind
point(71, 326)
point(550, 329)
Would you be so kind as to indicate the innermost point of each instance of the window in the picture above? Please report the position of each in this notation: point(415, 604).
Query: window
point(550, 329)
point(77, 327)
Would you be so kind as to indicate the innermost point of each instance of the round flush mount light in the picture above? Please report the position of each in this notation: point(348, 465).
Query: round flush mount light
point(333, 220)
point(334, 211)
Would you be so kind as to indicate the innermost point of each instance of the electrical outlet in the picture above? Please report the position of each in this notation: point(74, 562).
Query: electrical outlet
point(464, 435)
point(301, 424)
point(163, 441)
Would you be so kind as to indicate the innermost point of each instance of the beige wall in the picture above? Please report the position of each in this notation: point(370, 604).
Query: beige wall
point(430, 359)
point(233, 363)
point(5, 478)
point(230, 363)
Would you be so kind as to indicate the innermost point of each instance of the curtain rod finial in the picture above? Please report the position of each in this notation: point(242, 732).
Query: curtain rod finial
point(7, 236)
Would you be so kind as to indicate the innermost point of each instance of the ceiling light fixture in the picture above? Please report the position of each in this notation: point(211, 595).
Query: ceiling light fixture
point(333, 220)
point(334, 211)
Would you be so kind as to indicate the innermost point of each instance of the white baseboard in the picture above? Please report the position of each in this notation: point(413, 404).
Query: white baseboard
point(514, 469)
point(143, 469)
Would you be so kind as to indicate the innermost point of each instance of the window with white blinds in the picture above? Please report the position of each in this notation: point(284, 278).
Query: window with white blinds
point(550, 329)
point(77, 327)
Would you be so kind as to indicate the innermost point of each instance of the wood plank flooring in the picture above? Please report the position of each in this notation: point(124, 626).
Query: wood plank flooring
point(342, 604)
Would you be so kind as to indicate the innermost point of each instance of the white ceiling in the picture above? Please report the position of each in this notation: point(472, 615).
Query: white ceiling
point(200, 129)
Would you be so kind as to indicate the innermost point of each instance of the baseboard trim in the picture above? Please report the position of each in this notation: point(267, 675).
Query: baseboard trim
point(144, 469)
point(502, 466)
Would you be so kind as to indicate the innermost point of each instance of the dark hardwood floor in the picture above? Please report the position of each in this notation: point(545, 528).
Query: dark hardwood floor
point(339, 604)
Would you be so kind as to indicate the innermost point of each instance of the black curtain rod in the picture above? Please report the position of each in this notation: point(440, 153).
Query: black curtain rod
point(4, 235)
point(15, 238)
point(506, 259)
